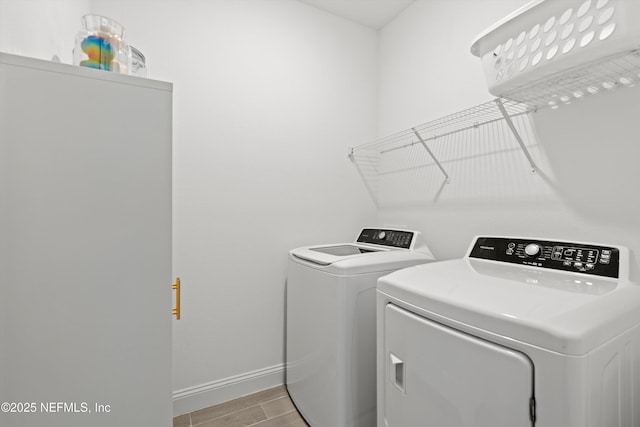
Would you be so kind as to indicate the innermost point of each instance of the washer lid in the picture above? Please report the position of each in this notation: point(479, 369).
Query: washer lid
point(351, 258)
point(343, 250)
point(570, 313)
point(375, 250)
point(324, 255)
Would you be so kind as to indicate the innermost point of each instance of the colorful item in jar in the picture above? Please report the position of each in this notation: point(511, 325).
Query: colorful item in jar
point(100, 53)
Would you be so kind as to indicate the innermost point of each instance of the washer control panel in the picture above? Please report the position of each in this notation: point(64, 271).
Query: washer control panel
point(394, 238)
point(566, 256)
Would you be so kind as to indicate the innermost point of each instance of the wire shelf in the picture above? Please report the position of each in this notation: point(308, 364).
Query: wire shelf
point(506, 118)
point(482, 160)
point(470, 118)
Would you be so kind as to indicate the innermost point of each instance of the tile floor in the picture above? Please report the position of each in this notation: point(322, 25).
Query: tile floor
point(268, 408)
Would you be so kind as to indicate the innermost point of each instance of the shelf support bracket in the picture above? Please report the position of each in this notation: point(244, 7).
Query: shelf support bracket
point(523, 147)
point(424, 144)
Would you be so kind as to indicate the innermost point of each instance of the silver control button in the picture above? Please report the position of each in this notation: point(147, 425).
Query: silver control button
point(532, 249)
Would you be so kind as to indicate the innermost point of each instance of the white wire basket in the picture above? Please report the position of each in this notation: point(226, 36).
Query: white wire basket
point(550, 37)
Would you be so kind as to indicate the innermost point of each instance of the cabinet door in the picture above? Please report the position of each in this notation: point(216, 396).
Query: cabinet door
point(438, 376)
point(85, 181)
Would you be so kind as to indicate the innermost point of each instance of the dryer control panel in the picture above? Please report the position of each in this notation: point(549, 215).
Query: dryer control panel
point(385, 237)
point(567, 256)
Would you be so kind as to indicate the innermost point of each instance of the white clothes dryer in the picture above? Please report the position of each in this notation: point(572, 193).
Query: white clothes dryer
point(520, 332)
point(331, 321)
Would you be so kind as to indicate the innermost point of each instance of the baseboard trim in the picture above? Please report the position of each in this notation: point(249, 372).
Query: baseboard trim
point(204, 395)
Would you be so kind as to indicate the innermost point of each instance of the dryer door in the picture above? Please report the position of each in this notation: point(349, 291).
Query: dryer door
point(438, 376)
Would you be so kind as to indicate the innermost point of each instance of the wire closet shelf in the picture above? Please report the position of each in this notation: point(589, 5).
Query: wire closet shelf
point(572, 85)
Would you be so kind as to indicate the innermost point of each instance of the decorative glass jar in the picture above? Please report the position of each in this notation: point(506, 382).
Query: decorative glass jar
point(138, 64)
point(100, 44)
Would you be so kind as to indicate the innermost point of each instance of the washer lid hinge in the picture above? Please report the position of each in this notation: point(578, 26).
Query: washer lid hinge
point(532, 409)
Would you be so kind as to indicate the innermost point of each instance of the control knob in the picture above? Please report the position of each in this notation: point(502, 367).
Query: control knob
point(532, 249)
point(382, 235)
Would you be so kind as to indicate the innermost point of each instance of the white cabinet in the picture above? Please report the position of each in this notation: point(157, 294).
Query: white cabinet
point(85, 245)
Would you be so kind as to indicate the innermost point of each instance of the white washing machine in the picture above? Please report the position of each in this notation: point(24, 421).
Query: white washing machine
point(331, 321)
point(520, 332)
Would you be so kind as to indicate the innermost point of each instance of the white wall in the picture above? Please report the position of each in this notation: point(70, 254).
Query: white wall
point(584, 189)
point(267, 97)
point(425, 65)
point(40, 28)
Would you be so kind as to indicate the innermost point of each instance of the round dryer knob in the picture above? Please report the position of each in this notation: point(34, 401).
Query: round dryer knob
point(532, 249)
point(382, 235)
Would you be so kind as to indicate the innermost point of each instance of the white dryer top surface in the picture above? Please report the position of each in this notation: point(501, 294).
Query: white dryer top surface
point(564, 312)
